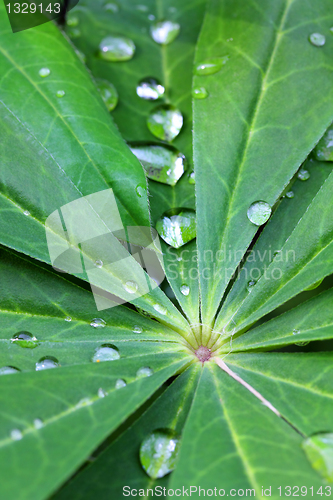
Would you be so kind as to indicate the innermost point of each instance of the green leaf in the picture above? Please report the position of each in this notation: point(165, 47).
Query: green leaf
point(66, 401)
point(258, 124)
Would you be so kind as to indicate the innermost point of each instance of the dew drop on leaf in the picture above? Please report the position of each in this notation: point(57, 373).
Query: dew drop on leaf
point(101, 393)
point(177, 226)
point(250, 285)
point(211, 66)
point(116, 48)
point(150, 89)
point(44, 72)
point(120, 383)
point(144, 371)
point(259, 212)
point(72, 20)
point(68, 318)
point(98, 263)
point(199, 93)
point(46, 363)
point(16, 434)
point(108, 93)
point(38, 423)
point(317, 39)
point(141, 8)
point(106, 352)
point(137, 329)
point(26, 212)
point(296, 331)
point(158, 452)
point(185, 290)
point(324, 149)
point(140, 191)
point(25, 339)
point(60, 93)
point(302, 344)
point(8, 370)
point(191, 177)
point(160, 309)
point(98, 323)
point(130, 287)
point(163, 164)
point(319, 451)
point(290, 194)
point(164, 32)
point(165, 122)
point(111, 7)
point(303, 175)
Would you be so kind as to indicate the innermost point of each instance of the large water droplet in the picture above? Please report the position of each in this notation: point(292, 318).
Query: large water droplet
point(120, 383)
point(46, 363)
point(144, 371)
point(130, 287)
point(162, 163)
point(259, 212)
point(25, 339)
point(165, 122)
point(324, 149)
point(160, 309)
point(211, 66)
point(164, 32)
point(199, 93)
point(185, 290)
point(43, 72)
point(158, 452)
point(317, 39)
point(98, 263)
point(319, 450)
point(140, 191)
point(137, 329)
point(150, 89)
point(116, 48)
point(177, 226)
point(98, 323)
point(60, 93)
point(16, 434)
point(108, 93)
point(68, 318)
point(8, 370)
point(106, 352)
point(303, 175)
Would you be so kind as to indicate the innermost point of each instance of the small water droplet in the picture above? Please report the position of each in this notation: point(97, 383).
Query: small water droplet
point(164, 32)
point(191, 177)
point(137, 329)
point(319, 451)
point(185, 290)
point(84, 402)
point(60, 93)
point(161, 163)
point(302, 344)
point(108, 93)
point(199, 93)
point(144, 371)
point(250, 285)
point(46, 363)
point(68, 318)
point(8, 370)
point(98, 323)
point(98, 263)
point(230, 39)
point(38, 423)
point(116, 48)
point(324, 149)
point(26, 212)
point(120, 383)
point(111, 7)
point(140, 191)
point(165, 122)
point(150, 89)
point(43, 72)
point(101, 393)
point(303, 175)
point(177, 226)
point(160, 309)
point(317, 39)
point(106, 352)
point(211, 66)
point(25, 339)
point(151, 17)
point(158, 452)
point(72, 20)
point(290, 194)
point(130, 287)
point(259, 212)
point(16, 434)
point(314, 285)
point(296, 331)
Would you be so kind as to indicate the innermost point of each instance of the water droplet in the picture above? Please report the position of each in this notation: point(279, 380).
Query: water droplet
point(137, 329)
point(211, 66)
point(302, 344)
point(38, 423)
point(46, 363)
point(259, 212)
point(160, 309)
point(319, 451)
point(26, 212)
point(72, 20)
point(177, 226)
point(101, 393)
point(250, 285)
point(158, 452)
point(230, 39)
point(25, 339)
point(140, 191)
point(142, 8)
point(73, 32)
point(185, 290)
point(98, 323)
point(303, 175)
point(130, 287)
point(324, 149)
point(144, 371)
point(60, 93)
point(120, 383)
point(317, 39)
point(315, 285)
point(165, 122)
point(114, 48)
point(151, 17)
point(164, 32)
point(84, 402)
point(150, 89)
point(16, 434)
point(111, 7)
point(162, 163)
point(98, 263)
point(43, 72)
point(68, 318)
point(296, 331)
point(290, 194)
point(8, 370)
point(199, 93)
point(191, 177)
point(106, 352)
point(108, 93)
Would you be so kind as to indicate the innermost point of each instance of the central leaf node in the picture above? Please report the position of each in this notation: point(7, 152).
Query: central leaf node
point(203, 353)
